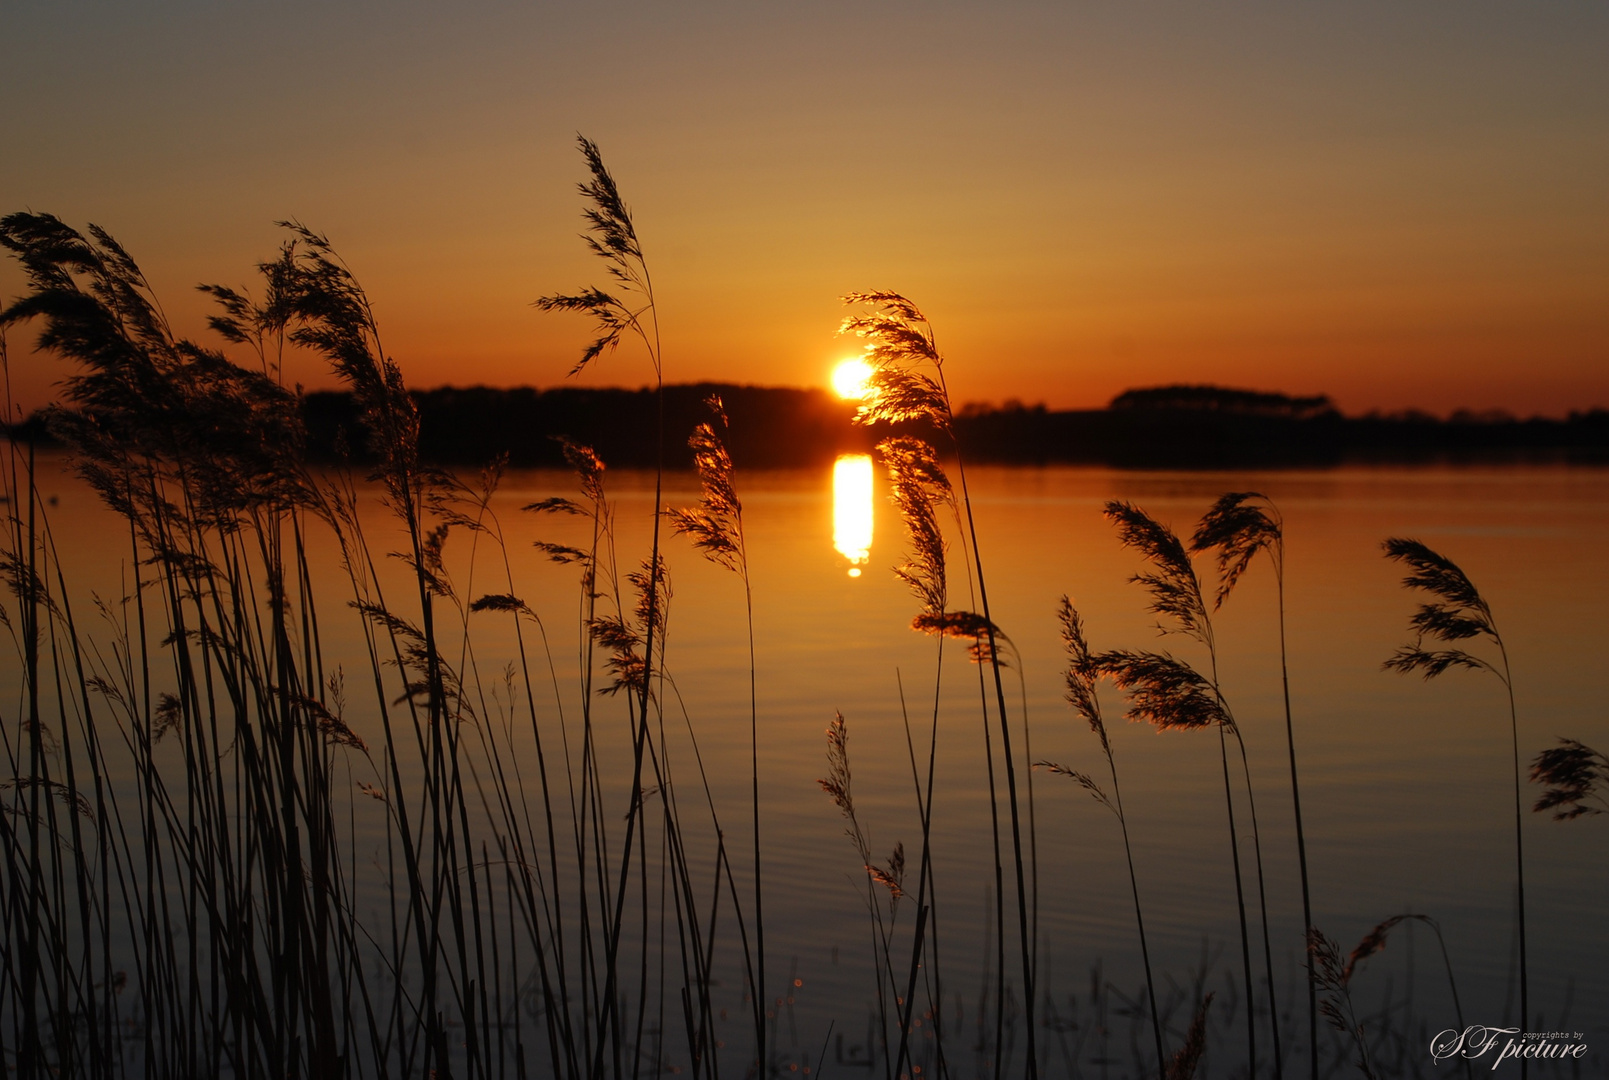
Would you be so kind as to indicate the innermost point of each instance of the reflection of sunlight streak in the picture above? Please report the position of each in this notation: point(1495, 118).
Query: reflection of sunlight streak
point(852, 509)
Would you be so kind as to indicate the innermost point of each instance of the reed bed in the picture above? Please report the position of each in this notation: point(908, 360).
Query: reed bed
point(552, 891)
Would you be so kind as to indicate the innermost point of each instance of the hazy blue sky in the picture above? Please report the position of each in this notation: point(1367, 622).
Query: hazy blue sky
point(1400, 203)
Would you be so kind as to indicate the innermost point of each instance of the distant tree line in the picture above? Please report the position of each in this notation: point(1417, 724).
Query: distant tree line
point(1182, 426)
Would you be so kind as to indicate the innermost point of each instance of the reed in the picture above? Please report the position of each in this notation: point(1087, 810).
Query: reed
point(1238, 527)
point(716, 529)
point(901, 349)
point(1575, 777)
point(1456, 613)
point(184, 778)
point(1169, 694)
point(1334, 972)
point(181, 810)
point(1082, 679)
point(838, 784)
point(612, 236)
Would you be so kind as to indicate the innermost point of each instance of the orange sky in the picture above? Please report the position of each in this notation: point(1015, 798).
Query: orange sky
point(1398, 204)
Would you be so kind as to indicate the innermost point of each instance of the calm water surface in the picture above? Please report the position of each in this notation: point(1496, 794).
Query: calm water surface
point(1406, 784)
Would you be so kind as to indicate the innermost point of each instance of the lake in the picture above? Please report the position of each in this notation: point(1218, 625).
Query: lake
point(1406, 783)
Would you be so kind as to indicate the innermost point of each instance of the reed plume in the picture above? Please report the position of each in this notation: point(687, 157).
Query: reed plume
point(1081, 682)
point(612, 236)
point(1333, 972)
point(1170, 694)
point(1238, 527)
point(1334, 975)
point(918, 486)
point(839, 787)
point(1575, 776)
point(1183, 1064)
point(1457, 612)
point(716, 528)
point(901, 348)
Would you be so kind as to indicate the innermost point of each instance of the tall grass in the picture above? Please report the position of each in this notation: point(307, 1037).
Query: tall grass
point(1238, 527)
point(1170, 694)
point(183, 806)
point(1459, 613)
point(211, 867)
point(1575, 777)
point(907, 383)
point(1082, 680)
point(716, 528)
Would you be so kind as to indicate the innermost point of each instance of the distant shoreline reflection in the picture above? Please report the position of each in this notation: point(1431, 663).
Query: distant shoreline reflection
point(852, 509)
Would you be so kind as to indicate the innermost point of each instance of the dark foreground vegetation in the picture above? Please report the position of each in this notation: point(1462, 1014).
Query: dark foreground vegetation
point(187, 771)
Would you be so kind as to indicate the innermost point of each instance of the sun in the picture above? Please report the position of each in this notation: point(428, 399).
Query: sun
point(849, 378)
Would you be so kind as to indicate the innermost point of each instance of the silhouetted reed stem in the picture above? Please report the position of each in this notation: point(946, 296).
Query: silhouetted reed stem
point(1238, 526)
point(900, 343)
point(1081, 680)
point(1171, 694)
point(1460, 613)
point(1296, 802)
point(1240, 909)
point(1024, 924)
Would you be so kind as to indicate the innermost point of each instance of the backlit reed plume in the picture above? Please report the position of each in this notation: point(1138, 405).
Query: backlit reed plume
point(907, 384)
point(611, 236)
point(201, 458)
point(1081, 680)
point(1575, 775)
point(628, 306)
point(918, 487)
point(1183, 1064)
point(1170, 694)
point(839, 786)
point(716, 528)
point(179, 822)
point(1459, 613)
point(1334, 972)
point(1238, 527)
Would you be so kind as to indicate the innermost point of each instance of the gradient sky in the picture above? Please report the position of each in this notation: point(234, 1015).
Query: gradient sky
point(1400, 204)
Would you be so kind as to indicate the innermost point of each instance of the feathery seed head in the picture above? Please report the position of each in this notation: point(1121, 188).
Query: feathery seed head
point(1457, 614)
point(612, 237)
point(1575, 774)
point(1162, 691)
point(1238, 528)
point(1082, 672)
point(899, 340)
point(716, 526)
point(1175, 590)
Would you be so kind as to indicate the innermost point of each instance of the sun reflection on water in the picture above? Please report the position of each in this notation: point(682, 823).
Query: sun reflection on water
point(852, 509)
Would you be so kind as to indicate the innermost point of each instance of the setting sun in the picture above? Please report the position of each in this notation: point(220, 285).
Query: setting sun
point(849, 378)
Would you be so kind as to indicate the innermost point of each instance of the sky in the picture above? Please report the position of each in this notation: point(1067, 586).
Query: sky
point(1401, 204)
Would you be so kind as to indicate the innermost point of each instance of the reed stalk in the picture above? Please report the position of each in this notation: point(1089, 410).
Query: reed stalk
point(1237, 527)
point(1459, 613)
point(1081, 680)
point(901, 347)
point(1171, 695)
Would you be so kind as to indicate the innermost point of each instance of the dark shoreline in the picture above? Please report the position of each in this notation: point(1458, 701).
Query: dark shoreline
point(780, 427)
